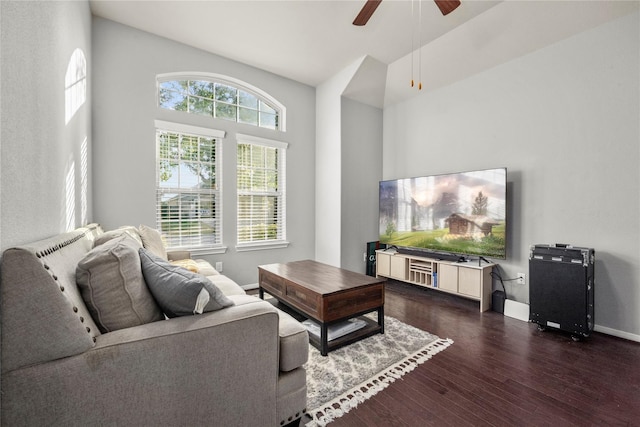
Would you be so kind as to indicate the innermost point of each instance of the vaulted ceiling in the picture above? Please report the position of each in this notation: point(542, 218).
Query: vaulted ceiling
point(311, 41)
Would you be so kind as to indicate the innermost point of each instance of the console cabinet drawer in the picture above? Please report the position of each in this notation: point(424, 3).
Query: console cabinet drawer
point(302, 298)
point(272, 283)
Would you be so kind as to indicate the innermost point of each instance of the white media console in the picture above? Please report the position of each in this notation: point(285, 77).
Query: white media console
point(466, 279)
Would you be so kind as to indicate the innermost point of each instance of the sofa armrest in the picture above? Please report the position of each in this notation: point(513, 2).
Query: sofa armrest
point(220, 366)
point(176, 255)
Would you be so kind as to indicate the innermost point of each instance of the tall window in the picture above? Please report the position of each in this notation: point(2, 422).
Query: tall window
point(261, 193)
point(188, 185)
point(221, 98)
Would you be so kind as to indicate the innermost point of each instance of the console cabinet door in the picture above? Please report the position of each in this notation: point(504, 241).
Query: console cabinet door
point(383, 264)
point(469, 281)
point(448, 277)
point(399, 267)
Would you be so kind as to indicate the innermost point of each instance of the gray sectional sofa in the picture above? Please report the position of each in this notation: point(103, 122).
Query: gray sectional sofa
point(240, 365)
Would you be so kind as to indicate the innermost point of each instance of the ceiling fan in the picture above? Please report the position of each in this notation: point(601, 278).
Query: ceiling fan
point(445, 6)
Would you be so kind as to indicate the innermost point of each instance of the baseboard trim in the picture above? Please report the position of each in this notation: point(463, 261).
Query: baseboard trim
point(616, 333)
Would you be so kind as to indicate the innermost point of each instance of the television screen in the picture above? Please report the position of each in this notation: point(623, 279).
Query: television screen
point(459, 213)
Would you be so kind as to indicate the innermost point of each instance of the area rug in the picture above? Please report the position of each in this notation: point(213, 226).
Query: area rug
point(350, 375)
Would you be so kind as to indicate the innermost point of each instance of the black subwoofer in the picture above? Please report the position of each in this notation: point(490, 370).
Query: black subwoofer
point(561, 288)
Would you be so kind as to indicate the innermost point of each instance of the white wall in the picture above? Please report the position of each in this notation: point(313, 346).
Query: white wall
point(564, 120)
point(361, 171)
point(126, 62)
point(45, 158)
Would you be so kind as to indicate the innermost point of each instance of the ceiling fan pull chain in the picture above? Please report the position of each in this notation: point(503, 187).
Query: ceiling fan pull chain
point(413, 30)
point(420, 44)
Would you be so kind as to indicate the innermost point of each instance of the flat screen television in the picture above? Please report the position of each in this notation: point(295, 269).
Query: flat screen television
point(460, 213)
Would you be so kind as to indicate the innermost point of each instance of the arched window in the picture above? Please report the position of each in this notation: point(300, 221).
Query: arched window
point(188, 179)
point(220, 97)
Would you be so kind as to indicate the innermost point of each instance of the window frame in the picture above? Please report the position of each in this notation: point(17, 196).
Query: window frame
point(281, 193)
point(219, 136)
point(226, 80)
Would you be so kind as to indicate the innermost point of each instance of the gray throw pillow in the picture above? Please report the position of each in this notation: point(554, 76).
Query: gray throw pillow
point(178, 291)
point(112, 286)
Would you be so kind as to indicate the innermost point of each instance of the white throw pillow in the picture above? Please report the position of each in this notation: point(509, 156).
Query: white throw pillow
point(152, 241)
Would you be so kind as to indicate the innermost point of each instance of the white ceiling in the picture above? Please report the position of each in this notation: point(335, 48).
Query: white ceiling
point(311, 41)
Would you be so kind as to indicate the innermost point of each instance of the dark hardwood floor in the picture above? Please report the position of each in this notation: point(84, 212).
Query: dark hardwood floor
point(502, 372)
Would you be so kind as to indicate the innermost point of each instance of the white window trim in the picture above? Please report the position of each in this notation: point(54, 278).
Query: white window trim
point(259, 246)
point(219, 78)
point(162, 125)
point(214, 250)
point(271, 244)
point(242, 138)
point(192, 130)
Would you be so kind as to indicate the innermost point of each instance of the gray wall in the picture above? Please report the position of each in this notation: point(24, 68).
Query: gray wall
point(45, 161)
point(126, 62)
point(565, 122)
point(361, 172)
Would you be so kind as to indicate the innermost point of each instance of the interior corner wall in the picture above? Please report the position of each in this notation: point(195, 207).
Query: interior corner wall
point(126, 63)
point(565, 121)
point(361, 154)
point(328, 170)
point(45, 168)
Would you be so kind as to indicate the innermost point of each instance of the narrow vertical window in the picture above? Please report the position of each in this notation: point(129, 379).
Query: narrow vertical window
point(188, 186)
point(261, 214)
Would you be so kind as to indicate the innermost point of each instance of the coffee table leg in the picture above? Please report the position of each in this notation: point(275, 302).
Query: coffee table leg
point(261, 293)
point(381, 319)
point(324, 346)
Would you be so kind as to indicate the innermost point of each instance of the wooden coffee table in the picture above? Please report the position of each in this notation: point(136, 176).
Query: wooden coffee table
point(327, 295)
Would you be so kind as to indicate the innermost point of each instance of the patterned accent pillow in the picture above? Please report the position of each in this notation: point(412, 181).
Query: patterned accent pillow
point(189, 264)
point(178, 291)
point(113, 288)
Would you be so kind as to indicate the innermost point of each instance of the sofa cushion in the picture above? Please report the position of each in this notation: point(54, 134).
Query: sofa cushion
point(205, 268)
point(294, 342)
point(180, 292)
point(226, 285)
point(113, 288)
point(293, 336)
point(152, 241)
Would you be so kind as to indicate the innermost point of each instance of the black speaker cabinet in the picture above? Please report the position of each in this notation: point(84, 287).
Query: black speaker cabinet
point(372, 247)
point(561, 288)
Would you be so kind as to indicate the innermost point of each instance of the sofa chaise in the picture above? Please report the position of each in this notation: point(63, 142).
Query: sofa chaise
point(240, 365)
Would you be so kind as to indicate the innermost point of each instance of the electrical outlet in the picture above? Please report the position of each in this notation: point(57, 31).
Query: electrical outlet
point(219, 266)
point(521, 278)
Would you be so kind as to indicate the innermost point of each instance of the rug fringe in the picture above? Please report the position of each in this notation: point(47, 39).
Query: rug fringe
point(342, 404)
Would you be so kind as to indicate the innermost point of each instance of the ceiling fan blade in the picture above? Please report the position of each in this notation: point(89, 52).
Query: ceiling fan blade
point(447, 6)
point(367, 10)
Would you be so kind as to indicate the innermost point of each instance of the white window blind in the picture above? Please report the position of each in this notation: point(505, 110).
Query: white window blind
point(261, 187)
point(188, 205)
